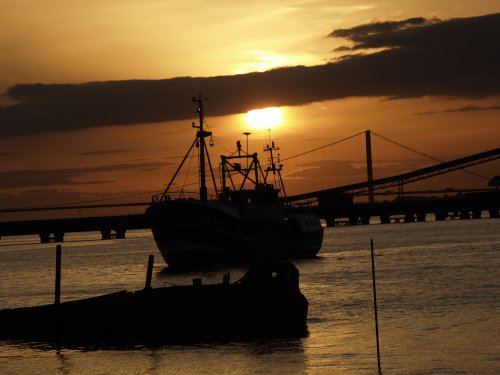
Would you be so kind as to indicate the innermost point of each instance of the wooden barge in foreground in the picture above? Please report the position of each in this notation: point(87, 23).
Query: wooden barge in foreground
point(265, 302)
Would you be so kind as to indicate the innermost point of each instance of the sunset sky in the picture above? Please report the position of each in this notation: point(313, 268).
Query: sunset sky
point(96, 95)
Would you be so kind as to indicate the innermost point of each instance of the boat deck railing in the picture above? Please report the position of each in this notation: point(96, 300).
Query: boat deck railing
point(179, 195)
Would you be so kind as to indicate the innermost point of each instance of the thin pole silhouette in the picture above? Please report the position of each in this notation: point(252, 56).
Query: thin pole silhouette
point(375, 307)
point(57, 292)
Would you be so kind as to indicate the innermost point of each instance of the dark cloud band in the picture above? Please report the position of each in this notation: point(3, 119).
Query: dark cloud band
point(458, 57)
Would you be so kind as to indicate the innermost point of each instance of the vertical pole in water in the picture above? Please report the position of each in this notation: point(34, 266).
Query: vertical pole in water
point(149, 273)
point(375, 306)
point(57, 293)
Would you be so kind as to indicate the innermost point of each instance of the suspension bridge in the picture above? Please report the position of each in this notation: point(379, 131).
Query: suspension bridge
point(335, 205)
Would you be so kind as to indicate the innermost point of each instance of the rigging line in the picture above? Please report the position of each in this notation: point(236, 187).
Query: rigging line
point(178, 169)
point(322, 147)
point(187, 172)
point(219, 148)
point(211, 170)
point(427, 156)
point(216, 143)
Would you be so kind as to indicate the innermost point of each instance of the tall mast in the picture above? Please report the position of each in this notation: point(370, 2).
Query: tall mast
point(201, 137)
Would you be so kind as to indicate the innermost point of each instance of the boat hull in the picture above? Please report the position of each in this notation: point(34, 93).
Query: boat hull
point(266, 302)
point(190, 232)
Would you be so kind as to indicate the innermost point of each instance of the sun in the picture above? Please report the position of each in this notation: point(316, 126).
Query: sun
point(265, 118)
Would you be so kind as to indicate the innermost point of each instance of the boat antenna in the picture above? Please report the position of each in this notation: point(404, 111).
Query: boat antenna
point(201, 134)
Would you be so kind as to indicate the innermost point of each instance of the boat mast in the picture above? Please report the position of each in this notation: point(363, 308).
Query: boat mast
point(273, 168)
point(201, 137)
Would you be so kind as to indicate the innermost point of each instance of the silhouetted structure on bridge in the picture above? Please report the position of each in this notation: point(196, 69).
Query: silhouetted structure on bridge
point(342, 211)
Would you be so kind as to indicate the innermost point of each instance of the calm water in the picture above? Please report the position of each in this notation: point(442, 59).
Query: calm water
point(437, 284)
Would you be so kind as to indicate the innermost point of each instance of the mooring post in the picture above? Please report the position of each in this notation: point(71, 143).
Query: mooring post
point(375, 306)
point(57, 293)
point(149, 273)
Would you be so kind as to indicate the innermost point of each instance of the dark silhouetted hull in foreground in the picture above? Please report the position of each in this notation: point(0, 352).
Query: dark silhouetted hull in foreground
point(266, 302)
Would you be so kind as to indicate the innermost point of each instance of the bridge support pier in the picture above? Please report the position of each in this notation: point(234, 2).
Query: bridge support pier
point(365, 220)
point(385, 219)
point(494, 213)
point(47, 237)
point(106, 234)
point(120, 233)
point(44, 237)
point(421, 216)
point(464, 215)
point(330, 221)
point(476, 214)
point(440, 215)
point(59, 237)
point(409, 218)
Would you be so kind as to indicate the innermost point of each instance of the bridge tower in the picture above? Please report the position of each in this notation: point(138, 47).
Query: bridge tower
point(369, 167)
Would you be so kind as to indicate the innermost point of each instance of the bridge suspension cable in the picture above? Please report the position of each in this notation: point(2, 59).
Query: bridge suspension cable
point(322, 147)
point(425, 155)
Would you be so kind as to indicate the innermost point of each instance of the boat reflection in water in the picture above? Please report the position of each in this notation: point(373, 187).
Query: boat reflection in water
point(247, 222)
